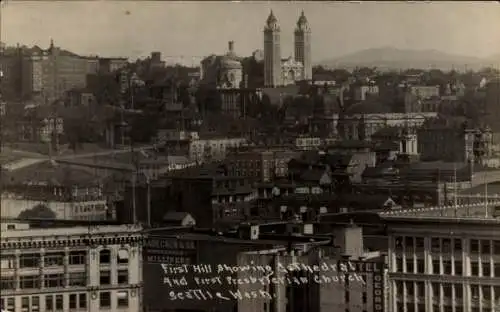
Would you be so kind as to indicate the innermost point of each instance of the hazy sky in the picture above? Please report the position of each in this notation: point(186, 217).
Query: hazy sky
point(132, 29)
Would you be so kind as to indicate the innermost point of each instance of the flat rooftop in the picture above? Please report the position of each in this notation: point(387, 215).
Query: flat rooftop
point(484, 213)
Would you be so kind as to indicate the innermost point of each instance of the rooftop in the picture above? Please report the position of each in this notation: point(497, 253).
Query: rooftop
point(48, 173)
point(479, 212)
point(66, 232)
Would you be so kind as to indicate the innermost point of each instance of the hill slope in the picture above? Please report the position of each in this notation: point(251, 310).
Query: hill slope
point(392, 58)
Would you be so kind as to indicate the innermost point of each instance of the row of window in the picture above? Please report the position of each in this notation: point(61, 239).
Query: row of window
point(447, 267)
point(56, 302)
point(89, 208)
point(485, 293)
point(447, 245)
point(52, 303)
point(75, 279)
point(34, 260)
point(76, 257)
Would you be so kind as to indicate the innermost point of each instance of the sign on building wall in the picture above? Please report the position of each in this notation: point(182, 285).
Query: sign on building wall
point(169, 250)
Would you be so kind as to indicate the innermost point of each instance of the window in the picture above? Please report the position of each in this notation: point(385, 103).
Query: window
point(7, 283)
point(105, 299)
point(496, 247)
point(105, 278)
point(49, 303)
point(435, 290)
point(399, 265)
point(54, 259)
point(446, 245)
point(458, 267)
point(474, 289)
point(486, 292)
point(457, 245)
point(459, 291)
point(59, 302)
point(496, 269)
point(8, 262)
point(410, 289)
point(436, 245)
point(409, 243)
point(82, 301)
point(122, 256)
point(474, 268)
point(474, 246)
point(420, 289)
point(29, 282)
point(29, 260)
point(54, 280)
point(486, 268)
point(77, 279)
point(77, 257)
point(410, 267)
point(436, 267)
point(35, 304)
point(419, 244)
point(105, 256)
point(420, 266)
point(122, 297)
point(446, 267)
point(398, 242)
point(447, 291)
point(122, 276)
point(399, 289)
point(73, 301)
point(485, 247)
point(25, 304)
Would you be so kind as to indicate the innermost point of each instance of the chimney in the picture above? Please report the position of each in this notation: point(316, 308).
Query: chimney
point(231, 46)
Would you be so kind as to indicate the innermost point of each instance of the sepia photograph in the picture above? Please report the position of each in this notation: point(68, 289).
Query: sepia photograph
point(249, 156)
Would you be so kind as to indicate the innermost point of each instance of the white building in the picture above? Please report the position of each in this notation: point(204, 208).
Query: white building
point(444, 259)
point(87, 269)
point(213, 148)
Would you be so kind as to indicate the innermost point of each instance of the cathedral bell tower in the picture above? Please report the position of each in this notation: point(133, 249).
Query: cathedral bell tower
point(272, 52)
point(303, 45)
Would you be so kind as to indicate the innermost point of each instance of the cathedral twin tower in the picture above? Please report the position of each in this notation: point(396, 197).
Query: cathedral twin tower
point(278, 71)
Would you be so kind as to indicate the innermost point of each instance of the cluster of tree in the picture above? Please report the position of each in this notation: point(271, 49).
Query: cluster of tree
point(429, 77)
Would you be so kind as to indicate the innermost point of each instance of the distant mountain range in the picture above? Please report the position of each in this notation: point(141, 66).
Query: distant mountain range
point(393, 58)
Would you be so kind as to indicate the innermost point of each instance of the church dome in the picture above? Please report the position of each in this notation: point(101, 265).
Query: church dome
point(229, 62)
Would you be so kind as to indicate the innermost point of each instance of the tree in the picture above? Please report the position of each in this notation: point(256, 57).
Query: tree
point(39, 211)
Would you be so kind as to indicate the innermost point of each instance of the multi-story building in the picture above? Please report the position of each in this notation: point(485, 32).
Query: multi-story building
point(54, 71)
point(364, 91)
point(444, 259)
point(111, 64)
point(363, 119)
point(44, 190)
point(454, 140)
point(82, 268)
point(307, 143)
point(335, 281)
point(264, 164)
point(215, 148)
point(259, 249)
point(10, 67)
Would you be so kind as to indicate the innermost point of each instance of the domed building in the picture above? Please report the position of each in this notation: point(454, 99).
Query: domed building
point(222, 71)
